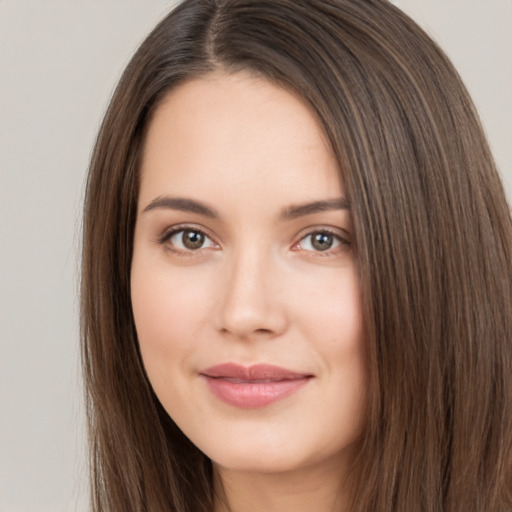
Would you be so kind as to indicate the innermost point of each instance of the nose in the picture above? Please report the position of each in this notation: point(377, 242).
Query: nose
point(252, 305)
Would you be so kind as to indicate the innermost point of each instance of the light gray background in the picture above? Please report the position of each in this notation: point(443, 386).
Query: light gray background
point(59, 61)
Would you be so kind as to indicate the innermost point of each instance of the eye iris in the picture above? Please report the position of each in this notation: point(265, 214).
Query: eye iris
point(322, 241)
point(192, 239)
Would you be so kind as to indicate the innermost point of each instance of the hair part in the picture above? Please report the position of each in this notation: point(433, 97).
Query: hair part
point(433, 236)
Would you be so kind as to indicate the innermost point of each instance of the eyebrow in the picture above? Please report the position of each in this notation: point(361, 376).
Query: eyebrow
point(183, 205)
point(289, 213)
point(295, 211)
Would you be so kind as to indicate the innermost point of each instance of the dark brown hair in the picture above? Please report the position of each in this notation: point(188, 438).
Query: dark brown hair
point(434, 244)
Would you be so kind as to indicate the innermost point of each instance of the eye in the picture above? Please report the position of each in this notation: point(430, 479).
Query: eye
point(321, 241)
point(187, 240)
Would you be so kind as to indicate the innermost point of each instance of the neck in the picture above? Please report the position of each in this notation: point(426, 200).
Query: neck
point(311, 489)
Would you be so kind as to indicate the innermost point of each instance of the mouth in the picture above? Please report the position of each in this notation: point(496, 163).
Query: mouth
point(253, 386)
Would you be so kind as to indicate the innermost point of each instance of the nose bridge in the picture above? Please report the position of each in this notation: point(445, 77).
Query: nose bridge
point(250, 304)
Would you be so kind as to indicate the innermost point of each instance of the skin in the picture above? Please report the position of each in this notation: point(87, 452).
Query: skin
point(258, 290)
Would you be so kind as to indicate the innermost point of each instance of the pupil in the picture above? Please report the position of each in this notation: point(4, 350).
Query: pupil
point(193, 239)
point(322, 241)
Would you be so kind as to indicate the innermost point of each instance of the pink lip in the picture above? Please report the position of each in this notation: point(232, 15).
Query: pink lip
point(254, 386)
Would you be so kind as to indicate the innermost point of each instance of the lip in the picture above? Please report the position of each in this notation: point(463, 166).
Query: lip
point(255, 386)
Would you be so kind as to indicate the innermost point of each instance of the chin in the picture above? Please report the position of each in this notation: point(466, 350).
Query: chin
point(267, 453)
point(258, 462)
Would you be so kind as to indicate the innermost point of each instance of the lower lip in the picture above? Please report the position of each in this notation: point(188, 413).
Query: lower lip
point(250, 394)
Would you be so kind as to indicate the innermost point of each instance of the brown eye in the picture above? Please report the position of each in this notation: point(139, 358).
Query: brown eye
point(322, 241)
point(185, 240)
point(192, 239)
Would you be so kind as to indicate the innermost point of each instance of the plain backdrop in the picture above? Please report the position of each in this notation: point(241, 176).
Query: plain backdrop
point(59, 62)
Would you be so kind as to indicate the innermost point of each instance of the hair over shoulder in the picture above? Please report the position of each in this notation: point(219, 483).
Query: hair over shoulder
point(433, 238)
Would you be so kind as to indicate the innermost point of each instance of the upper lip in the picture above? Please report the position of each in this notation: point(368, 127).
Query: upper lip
point(256, 372)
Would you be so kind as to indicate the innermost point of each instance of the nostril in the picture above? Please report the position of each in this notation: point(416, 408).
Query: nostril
point(263, 331)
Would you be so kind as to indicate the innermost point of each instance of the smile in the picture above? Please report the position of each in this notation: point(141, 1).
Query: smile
point(254, 386)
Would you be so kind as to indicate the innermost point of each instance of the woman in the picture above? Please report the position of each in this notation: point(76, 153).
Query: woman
point(296, 271)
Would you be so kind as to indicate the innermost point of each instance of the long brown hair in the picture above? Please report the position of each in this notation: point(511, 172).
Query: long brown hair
point(434, 244)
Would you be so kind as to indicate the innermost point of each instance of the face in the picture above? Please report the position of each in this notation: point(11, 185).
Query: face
point(244, 285)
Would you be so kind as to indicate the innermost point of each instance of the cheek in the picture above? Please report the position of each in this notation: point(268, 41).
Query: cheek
point(330, 310)
point(154, 310)
point(331, 319)
point(344, 347)
point(169, 310)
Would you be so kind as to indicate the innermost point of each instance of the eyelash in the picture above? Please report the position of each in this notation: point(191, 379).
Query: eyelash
point(343, 243)
point(164, 239)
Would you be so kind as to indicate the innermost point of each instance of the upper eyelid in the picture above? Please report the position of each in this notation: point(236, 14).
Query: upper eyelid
point(342, 240)
point(172, 230)
point(336, 231)
point(323, 231)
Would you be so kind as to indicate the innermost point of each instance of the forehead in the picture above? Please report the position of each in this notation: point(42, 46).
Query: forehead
point(232, 134)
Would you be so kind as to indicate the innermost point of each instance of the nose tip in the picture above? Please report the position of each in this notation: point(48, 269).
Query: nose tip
point(248, 324)
point(251, 305)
